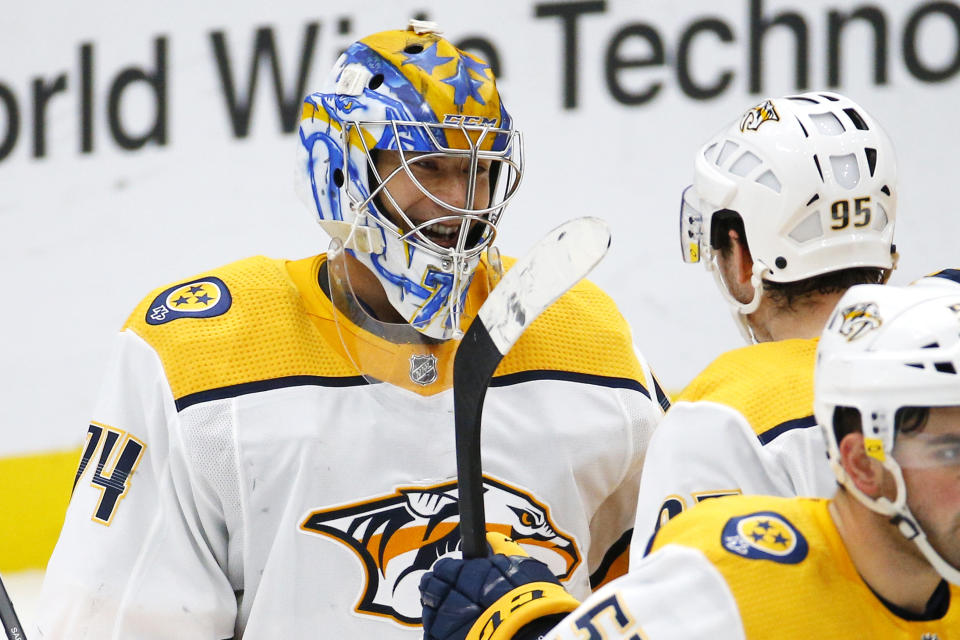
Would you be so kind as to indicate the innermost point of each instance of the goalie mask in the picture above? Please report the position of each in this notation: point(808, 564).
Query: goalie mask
point(414, 99)
point(885, 349)
point(812, 176)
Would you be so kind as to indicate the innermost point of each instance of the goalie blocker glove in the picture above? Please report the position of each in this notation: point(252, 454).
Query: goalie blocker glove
point(504, 596)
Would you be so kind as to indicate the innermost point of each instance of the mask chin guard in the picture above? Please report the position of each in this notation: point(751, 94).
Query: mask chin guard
point(394, 353)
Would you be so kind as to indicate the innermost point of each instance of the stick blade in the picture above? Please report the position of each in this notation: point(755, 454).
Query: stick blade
point(560, 260)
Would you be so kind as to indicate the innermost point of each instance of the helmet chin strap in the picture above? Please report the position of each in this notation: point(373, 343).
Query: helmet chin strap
point(740, 310)
point(900, 516)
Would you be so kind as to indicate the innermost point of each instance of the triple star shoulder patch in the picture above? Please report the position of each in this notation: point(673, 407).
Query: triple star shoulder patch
point(200, 298)
point(764, 535)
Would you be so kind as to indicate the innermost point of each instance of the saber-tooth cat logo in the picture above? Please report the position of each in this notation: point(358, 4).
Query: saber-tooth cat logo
point(756, 116)
point(399, 536)
point(858, 320)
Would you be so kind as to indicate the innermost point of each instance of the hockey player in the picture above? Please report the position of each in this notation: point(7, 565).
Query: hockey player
point(881, 559)
point(791, 204)
point(272, 453)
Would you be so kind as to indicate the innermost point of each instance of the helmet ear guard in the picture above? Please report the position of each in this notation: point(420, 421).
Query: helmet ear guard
point(885, 349)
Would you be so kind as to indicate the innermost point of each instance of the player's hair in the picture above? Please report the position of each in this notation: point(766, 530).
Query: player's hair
point(847, 420)
point(788, 294)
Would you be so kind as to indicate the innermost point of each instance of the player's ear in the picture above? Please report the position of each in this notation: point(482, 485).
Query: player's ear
point(865, 472)
point(743, 261)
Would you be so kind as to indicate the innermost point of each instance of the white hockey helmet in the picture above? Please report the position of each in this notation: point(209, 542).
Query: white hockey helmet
point(814, 179)
point(412, 92)
point(883, 349)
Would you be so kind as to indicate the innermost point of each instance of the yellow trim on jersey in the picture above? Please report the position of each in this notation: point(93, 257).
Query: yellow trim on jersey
point(791, 595)
point(769, 383)
point(375, 356)
point(266, 334)
point(36, 491)
point(280, 324)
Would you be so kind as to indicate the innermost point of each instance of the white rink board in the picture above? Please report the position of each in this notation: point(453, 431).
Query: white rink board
point(85, 234)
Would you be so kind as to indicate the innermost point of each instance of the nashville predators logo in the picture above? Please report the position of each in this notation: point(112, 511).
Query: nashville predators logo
point(756, 116)
point(858, 320)
point(764, 536)
point(398, 537)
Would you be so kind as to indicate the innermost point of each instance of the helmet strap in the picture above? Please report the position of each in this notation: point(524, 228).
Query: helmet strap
point(902, 518)
point(740, 310)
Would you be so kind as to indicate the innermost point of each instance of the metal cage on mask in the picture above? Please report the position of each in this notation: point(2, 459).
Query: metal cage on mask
point(418, 142)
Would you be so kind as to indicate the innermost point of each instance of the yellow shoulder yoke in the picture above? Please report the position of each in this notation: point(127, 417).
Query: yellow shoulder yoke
point(768, 383)
point(264, 334)
point(582, 332)
point(264, 319)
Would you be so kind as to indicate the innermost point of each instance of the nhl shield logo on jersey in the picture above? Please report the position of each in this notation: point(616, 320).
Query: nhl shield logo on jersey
point(423, 369)
point(201, 298)
point(858, 320)
point(756, 116)
point(764, 535)
point(399, 536)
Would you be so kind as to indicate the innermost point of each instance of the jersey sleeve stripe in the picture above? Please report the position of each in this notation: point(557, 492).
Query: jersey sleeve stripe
point(947, 274)
point(770, 435)
point(257, 386)
point(569, 376)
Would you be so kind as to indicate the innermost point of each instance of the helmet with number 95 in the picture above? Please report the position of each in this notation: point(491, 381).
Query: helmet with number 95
point(409, 157)
point(812, 177)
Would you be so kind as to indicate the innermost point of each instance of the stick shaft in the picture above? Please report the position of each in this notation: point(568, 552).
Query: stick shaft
point(11, 624)
point(554, 265)
point(477, 359)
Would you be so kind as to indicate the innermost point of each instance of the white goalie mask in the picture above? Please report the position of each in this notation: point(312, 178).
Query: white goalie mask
point(884, 349)
point(813, 178)
point(414, 95)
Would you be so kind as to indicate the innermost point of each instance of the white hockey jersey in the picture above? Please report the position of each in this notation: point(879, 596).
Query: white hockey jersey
point(241, 479)
point(753, 568)
point(743, 426)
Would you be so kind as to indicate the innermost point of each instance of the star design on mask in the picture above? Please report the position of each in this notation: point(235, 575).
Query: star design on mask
point(765, 525)
point(196, 289)
point(476, 66)
point(464, 85)
point(757, 536)
point(779, 539)
point(203, 299)
point(181, 300)
point(427, 59)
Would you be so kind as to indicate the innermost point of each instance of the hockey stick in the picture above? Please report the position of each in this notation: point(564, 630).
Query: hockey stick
point(11, 625)
point(553, 266)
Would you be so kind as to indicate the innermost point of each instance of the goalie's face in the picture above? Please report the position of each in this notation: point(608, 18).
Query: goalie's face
point(930, 460)
point(406, 197)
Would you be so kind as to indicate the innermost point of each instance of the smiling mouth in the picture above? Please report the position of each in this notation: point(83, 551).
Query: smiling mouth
point(441, 234)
